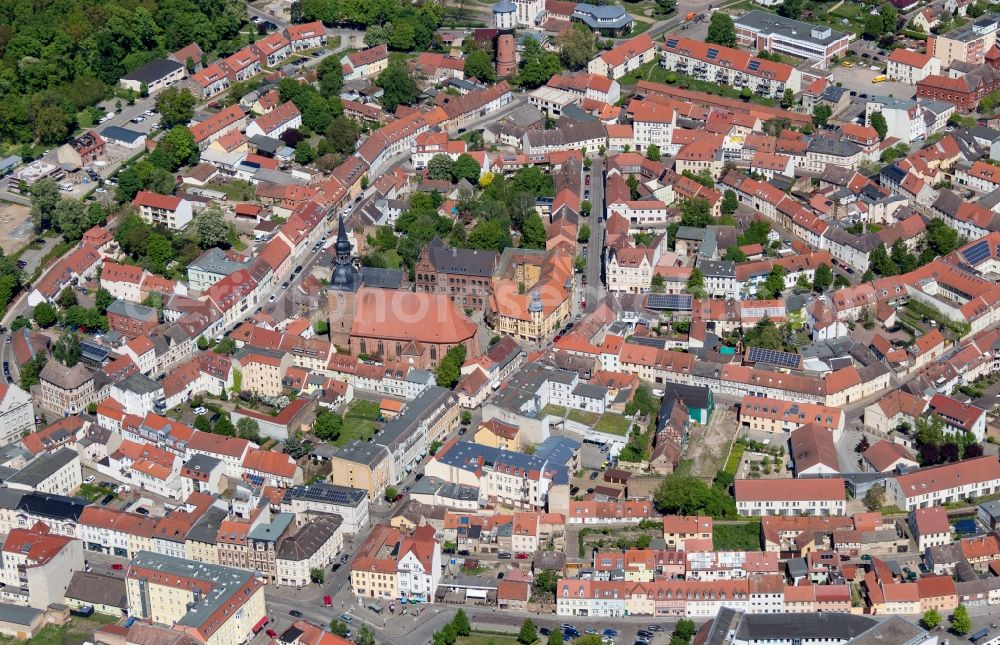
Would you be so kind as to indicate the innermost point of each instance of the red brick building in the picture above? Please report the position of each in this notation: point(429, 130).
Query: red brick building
point(965, 92)
point(131, 320)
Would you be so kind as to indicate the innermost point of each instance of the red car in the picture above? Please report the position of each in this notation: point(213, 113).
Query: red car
point(521, 556)
point(327, 601)
point(117, 567)
point(271, 633)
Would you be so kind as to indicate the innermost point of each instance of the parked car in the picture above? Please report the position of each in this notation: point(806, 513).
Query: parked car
point(327, 601)
point(117, 566)
point(503, 555)
point(296, 613)
point(90, 480)
point(346, 618)
point(594, 475)
point(271, 633)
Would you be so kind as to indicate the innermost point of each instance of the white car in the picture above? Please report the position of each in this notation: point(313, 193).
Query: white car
point(149, 113)
point(272, 298)
point(200, 410)
point(90, 480)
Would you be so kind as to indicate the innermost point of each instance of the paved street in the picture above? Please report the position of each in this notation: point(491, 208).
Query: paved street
point(594, 289)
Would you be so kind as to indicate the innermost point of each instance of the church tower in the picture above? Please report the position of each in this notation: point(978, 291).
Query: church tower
point(342, 290)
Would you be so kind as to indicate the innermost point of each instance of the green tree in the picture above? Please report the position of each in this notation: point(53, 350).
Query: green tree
point(67, 349)
point(159, 253)
point(872, 26)
point(338, 627)
point(331, 76)
point(576, 46)
point(102, 300)
point(67, 298)
point(823, 278)
point(735, 254)
point(342, 134)
point(960, 622)
point(890, 18)
point(180, 147)
point(821, 115)
point(450, 367)
point(696, 212)
point(586, 206)
point(317, 575)
point(439, 167)
point(249, 429)
point(555, 638)
point(931, 619)
point(226, 346)
point(584, 233)
point(44, 199)
point(664, 7)
point(546, 581)
point(466, 167)
point(366, 636)
point(70, 218)
point(685, 629)
point(790, 9)
point(721, 30)
point(31, 370)
point(390, 493)
point(653, 152)
point(764, 334)
point(398, 87)
point(176, 107)
point(327, 425)
point(533, 234)
point(479, 65)
point(224, 426)
point(875, 498)
point(528, 633)
point(44, 315)
point(537, 65)
point(202, 423)
point(681, 494)
point(729, 202)
point(211, 228)
point(696, 283)
point(880, 263)
point(877, 120)
point(461, 623)
point(489, 234)
point(787, 99)
point(304, 153)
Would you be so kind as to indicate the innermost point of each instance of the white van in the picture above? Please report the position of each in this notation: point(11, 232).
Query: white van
point(66, 186)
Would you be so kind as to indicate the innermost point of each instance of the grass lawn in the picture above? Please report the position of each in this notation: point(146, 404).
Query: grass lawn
point(237, 190)
point(736, 537)
point(612, 424)
point(735, 457)
point(639, 26)
point(554, 410)
point(651, 71)
point(75, 632)
point(359, 422)
point(92, 492)
point(480, 638)
point(580, 416)
point(392, 259)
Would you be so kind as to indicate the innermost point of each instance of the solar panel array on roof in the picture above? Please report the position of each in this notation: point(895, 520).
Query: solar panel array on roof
point(672, 42)
point(649, 341)
point(676, 302)
point(93, 351)
point(773, 357)
point(977, 252)
point(753, 65)
point(713, 53)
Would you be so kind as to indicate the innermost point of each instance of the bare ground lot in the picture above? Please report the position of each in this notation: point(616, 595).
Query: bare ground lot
point(708, 445)
point(15, 226)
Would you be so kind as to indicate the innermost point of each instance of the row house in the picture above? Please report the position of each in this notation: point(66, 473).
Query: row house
point(790, 497)
point(946, 483)
point(727, 66)
point(623, 58)
point(309, 35)
point(272, 49)
point(779, 416)
point(660, 598)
